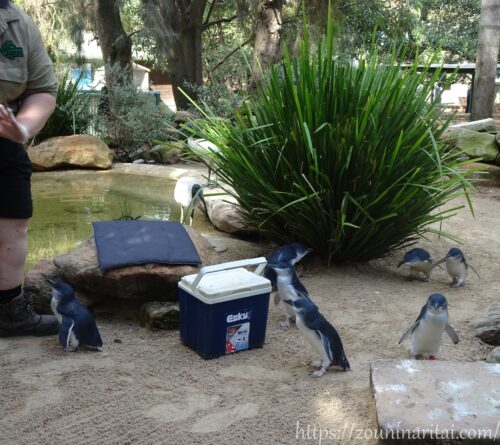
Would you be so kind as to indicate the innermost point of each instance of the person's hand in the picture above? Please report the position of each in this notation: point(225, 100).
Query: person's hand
point(10, 128)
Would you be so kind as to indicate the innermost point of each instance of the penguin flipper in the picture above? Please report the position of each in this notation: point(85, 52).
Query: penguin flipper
point(410, 330)
point(414, 325)
point(65, 332)
point(326, 345)
point(474, 269)
point(407, 333)
point(450, 330)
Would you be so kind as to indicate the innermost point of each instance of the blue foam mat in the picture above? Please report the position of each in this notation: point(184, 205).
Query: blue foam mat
point(128, 243)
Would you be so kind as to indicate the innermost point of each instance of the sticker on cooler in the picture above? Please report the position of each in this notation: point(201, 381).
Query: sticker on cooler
point(237, 337)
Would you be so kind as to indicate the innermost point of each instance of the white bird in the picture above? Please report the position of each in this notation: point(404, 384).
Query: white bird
point(206, 150)
point(188, 193)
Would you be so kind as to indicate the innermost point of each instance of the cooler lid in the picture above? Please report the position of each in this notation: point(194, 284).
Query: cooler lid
point(224, 283)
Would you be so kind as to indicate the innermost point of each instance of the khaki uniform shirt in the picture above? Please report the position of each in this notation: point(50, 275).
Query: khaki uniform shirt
point(25, 67)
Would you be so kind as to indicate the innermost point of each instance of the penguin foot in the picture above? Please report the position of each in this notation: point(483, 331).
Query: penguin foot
point(70, 349)
point(432, 357)
point(316, 363)
point(457, 283)
point(319, 372)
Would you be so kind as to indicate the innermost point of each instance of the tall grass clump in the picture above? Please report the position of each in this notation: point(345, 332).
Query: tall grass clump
point(344, 159)
point(73, 113)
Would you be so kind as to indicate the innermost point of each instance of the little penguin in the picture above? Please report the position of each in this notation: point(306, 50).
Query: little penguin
point(289, 288)
point(78, 327)
point(426, 333)
point(286, 257)
point(420, 261)
point(321, 335)
point(456, 266)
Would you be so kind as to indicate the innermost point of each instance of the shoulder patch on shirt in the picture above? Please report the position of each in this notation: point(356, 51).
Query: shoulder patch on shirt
point(10, 50)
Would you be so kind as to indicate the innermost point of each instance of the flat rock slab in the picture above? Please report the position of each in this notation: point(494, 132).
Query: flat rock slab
point(429, 402)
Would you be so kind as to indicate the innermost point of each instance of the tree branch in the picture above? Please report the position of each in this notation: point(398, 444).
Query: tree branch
point(210, 9)
point(227, 56)
point(215, 22)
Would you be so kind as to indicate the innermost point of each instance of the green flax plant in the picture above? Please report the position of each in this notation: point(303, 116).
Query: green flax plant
point(73, 113)
point(345, 159)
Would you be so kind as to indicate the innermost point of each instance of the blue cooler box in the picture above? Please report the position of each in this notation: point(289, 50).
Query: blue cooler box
point(223, 308)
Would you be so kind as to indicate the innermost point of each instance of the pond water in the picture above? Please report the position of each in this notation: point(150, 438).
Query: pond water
point(66, 204)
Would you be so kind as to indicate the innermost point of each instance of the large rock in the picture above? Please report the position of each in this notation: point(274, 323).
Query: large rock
point(429, 402)
point(157, 315)
point(84, 151)
point(167, 154)
point(475, 144)
point(225, 217)
point(488, 124)
point(487, 326)
point(150, 282)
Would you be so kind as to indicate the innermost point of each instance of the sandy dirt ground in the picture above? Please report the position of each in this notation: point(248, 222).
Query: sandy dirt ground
point(146, 388)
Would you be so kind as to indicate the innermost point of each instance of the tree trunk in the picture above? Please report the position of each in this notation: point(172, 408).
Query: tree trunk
point(267, 36)
point(185, 65)
point(487, 59)
point(115, 44)
point(177, 25)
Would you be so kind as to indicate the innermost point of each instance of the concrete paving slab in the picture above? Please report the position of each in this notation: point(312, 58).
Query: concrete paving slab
point(437, 402)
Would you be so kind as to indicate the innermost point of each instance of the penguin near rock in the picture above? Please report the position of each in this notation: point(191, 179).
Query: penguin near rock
point(78, 327)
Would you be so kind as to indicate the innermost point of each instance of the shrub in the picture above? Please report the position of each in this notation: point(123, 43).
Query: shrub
point(132, 117)
point(345, 159)
point(72, 114)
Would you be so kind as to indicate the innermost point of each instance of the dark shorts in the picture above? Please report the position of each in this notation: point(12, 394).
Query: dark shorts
point(15, 181)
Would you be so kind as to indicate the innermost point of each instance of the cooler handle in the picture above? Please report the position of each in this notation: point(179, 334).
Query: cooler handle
point(259, 262)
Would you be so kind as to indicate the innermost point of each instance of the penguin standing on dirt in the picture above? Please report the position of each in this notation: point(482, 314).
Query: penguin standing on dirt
point(420, 261)
point(78, 327)
point(426, 333)
point(456, 266)
point(322, 336)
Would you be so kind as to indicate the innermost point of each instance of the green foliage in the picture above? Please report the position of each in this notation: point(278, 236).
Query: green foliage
point(421, 25)
point(133, 118)
point(218, 98)
point(72, 114)
point(344, 159)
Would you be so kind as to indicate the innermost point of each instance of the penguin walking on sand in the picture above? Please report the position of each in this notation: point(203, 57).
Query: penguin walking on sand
point(456, 266)
point(284, 259)
point(322, 336)
point(78, 327)
point(188, 193)
point(426, 333)
point(419, 261)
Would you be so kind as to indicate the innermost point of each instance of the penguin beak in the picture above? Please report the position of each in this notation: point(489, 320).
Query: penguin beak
point(290, 302)
point(51, 282)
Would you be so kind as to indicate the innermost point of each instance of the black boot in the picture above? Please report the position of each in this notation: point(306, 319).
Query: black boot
point(17, 317)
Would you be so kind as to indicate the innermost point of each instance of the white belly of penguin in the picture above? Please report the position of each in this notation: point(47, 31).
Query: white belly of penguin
point(287, 292)
point(421, 266)
point(53, 306)
point(427, 337)
point(456, 269)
